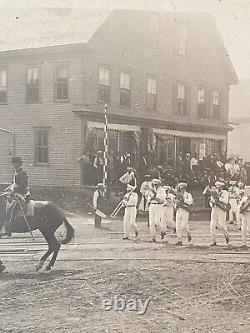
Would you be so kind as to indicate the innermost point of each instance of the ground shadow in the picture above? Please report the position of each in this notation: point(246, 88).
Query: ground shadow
point(39, 276)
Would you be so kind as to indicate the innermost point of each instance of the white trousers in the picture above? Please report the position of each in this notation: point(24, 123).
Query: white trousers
point(218, 219)
point(155, 219)
point(234, 210)
point(129, 220)
point(245, 227)
point(182, 223)
point(168, 218)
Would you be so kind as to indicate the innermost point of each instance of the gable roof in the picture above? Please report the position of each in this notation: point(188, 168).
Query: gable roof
point(24, 28)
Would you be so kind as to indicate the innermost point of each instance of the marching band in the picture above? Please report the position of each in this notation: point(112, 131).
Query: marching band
point(163, 203)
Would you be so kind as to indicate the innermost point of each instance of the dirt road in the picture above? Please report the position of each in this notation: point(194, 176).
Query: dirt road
point(189, 289)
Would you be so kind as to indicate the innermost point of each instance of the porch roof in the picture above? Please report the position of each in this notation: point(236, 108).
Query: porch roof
point(162, 122)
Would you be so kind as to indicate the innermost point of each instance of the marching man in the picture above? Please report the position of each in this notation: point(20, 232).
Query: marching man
point(129, 219)
point(157, 197)
point(244, 209)
point(233, 200)
point(168, 209)
point(184, 202)
point(128, 178)
point(241, 187)
point(219, 203)
point(145, 187)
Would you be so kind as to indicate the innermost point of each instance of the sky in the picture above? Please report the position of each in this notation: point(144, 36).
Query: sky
point(232, 18)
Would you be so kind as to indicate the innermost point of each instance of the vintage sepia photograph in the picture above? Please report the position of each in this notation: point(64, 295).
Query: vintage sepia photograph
point(124, 166)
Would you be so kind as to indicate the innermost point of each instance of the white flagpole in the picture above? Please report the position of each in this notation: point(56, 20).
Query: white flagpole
point(105, 165)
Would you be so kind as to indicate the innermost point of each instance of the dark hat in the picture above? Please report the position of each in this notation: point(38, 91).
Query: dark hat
point(16, 160)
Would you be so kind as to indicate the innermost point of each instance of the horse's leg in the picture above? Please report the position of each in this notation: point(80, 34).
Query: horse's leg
point(56, 247)
point(47, 236)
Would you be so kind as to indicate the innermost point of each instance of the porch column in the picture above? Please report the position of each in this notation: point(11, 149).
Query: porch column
point(175, 151)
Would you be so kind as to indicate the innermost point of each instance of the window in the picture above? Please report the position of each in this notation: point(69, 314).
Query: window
point(42, 145)
point(3, 87)
point(182, 47)
point(216, 104)
point(181, 99)
point(62, 82)
point(125, 89)
point(202, 103)
point(104, 86)
point(151, 95)
point(32, 85)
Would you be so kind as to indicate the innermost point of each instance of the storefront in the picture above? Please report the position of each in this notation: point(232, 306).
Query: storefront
point(172, 143)
point(157, 143)
point(162, 146)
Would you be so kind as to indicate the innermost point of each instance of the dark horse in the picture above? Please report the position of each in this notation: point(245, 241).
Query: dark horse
point(48, 217)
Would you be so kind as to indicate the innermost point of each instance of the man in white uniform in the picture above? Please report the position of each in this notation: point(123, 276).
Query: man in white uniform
point(145, 187)
point(129, 219)
point(218, 202)
point(184, 202)
point(244, 209)
point(233, 200)
point(241, 187)
point(158, 195)
point(168, 210)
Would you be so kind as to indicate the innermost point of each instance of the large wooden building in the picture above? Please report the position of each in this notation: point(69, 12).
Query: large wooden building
point(165, 77)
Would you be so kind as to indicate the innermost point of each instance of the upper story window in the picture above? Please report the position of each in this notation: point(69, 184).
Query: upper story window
point(3, 86)
point(42, 137)
point(202, 103)
point(104, 86)
point(62, 82)
point(151, 95)
point(124, 89)
point(216, 104)
point(32, 85)
point(181, 99)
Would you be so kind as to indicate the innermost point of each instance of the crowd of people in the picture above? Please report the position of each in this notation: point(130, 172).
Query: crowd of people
point(197, 173)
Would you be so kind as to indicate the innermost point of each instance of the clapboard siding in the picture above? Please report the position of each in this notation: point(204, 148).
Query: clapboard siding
point(65, 129)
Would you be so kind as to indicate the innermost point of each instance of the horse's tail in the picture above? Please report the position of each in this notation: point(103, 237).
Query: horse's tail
point(70, 232)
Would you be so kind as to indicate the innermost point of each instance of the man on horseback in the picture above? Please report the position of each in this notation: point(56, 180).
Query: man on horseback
point(20, 187)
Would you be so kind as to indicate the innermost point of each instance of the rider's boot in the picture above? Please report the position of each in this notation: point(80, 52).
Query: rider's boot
point(5, 230)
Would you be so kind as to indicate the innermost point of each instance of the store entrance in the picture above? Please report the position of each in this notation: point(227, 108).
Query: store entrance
point(184, 145)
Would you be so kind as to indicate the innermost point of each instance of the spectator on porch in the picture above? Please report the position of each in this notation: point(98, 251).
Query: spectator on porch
point(111, 167)
point(194, 164)
point(87, 174)
point(117, 165)
point(143, 166)
point(159, 172)
point(187, 164)
point(98, 165)
point(179, 163)
point(126, 162)
point(242, 171)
